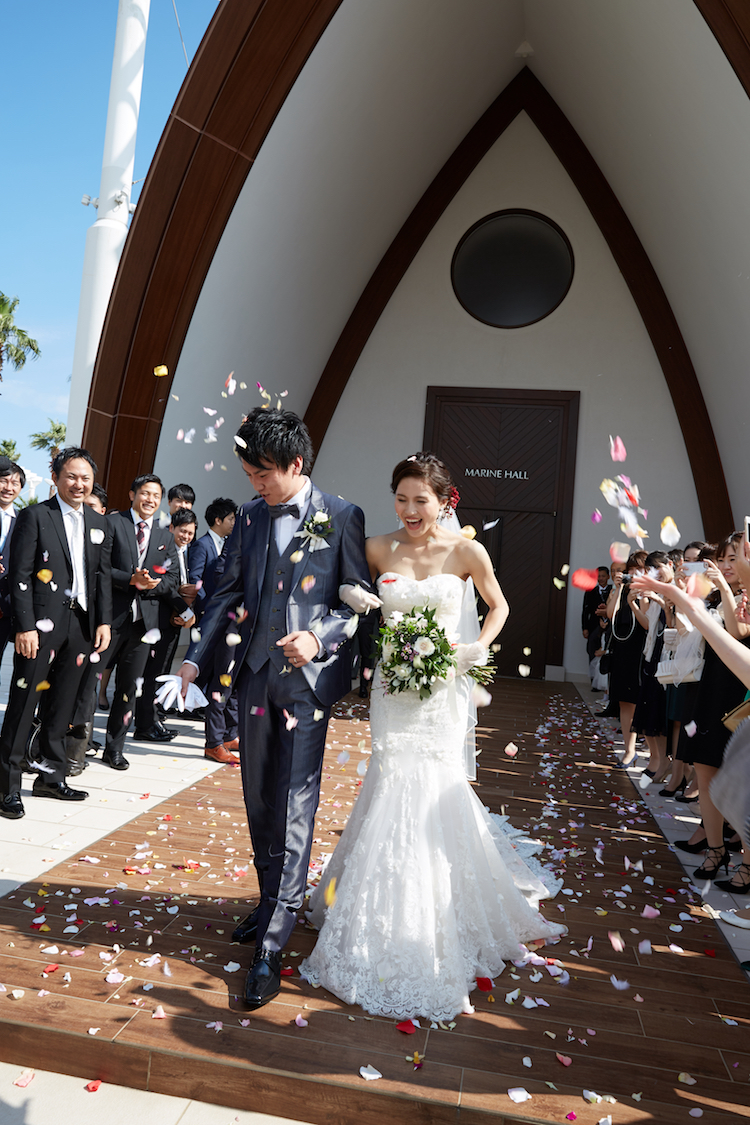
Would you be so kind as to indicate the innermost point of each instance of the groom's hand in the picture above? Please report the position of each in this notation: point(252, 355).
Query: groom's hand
point(188, 674)
point(299, 648)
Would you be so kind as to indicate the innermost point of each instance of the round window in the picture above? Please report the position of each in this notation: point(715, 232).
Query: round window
point(512, 268)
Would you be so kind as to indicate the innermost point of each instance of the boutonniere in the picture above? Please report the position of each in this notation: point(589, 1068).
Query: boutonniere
point(315, 531)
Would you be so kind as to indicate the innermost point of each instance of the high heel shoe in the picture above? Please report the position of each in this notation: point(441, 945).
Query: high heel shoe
point(744, 888)
point(705, 872)
point(677, 789)
point(694, 849)
point(688, 800)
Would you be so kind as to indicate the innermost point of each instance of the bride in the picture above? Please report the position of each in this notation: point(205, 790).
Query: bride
point(425, 893)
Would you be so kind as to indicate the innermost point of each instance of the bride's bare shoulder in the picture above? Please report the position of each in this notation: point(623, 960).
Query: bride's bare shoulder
point(379, 547)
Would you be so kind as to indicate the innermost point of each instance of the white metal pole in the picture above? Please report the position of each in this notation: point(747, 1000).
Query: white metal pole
point(106, 238)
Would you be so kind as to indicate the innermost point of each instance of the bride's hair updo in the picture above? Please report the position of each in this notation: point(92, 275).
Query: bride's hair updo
point(429, 468)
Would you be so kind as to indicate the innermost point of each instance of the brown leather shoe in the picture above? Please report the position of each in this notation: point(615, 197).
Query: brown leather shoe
point(220, 754)
point(233, 745)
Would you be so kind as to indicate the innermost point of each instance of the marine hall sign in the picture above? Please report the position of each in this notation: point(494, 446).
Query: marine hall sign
point(502, 474)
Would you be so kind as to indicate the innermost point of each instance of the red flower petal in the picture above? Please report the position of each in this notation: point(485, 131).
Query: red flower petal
point(407, 1027)
point(484, 984)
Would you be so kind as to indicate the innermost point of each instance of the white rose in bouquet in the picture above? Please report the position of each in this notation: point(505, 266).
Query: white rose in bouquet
point(389, 651)
point(424, 646)
point(402, 671)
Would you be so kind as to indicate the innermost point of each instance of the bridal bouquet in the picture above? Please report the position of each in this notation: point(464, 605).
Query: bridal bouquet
point(415, 652)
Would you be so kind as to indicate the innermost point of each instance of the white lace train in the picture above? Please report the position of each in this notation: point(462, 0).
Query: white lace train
point(430, 892)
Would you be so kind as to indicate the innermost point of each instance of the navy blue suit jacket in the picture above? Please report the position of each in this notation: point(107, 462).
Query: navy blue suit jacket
point(202, 561)
point(312, 605)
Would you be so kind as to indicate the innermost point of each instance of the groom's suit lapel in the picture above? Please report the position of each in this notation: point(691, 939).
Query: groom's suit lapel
point(302, 566)
point(260, 529)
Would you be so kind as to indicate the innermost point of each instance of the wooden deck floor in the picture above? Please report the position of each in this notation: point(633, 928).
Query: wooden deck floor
point(174, 881)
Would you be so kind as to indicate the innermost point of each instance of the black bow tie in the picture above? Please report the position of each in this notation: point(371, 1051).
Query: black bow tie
point(275, 511)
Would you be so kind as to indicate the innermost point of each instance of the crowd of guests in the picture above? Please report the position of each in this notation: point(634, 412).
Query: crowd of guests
point(87, 594)
point(644, 626)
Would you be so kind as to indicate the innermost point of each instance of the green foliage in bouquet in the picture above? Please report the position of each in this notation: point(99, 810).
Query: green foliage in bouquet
point(415, 652)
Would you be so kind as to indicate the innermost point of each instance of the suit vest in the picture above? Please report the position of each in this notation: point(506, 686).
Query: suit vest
point(270, 625)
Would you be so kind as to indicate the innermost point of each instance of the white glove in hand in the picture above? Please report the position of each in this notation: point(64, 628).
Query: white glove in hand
point(170, 694)
point(470, 656)
point(358, 599)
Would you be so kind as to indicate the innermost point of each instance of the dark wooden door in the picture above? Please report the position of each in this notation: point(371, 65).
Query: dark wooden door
point(512, 456)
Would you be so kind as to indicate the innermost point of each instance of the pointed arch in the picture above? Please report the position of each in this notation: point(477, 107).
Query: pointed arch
point(525, 92)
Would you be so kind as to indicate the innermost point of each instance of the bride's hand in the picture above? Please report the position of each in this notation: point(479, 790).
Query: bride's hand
point(470, 656)
point(358, 599)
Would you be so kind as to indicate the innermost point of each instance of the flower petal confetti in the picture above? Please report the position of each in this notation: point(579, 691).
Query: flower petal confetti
point(584, 579)
point(669, 534)
point(617, 449)
point(161, 371)
point(369, 1073)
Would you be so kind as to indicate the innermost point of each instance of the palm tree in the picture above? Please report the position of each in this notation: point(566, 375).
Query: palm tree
point(52, 439)
point(15, 344)
point(9, 449)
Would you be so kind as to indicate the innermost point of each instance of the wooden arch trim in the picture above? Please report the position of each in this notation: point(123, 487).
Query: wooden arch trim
point(248, 61)
point(526, 93)
point(729, 20)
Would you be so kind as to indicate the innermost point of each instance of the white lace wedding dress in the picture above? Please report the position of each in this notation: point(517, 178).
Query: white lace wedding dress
point(429, 893)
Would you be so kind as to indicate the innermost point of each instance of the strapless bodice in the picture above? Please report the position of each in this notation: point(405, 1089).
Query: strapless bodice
point(442, 592)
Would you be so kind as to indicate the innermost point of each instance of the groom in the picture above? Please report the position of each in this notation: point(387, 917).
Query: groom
point(291, 549)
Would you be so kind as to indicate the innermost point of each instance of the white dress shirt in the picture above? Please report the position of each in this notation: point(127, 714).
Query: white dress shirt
point(217, 540)
point(285, 526)
point(137, 611)
point(74, 532)
point(183, 567)
point(146, 534)
point(6, 518)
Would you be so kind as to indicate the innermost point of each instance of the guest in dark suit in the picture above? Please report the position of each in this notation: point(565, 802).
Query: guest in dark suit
point(12, 480)
point(145, 573)
point(594, 613)
point(290, 662)
point(205, 552)
point(61, 598)
point(206, 566)
point(174, 616)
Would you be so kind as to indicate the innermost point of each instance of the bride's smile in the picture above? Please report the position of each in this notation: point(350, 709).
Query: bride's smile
point(417, 506)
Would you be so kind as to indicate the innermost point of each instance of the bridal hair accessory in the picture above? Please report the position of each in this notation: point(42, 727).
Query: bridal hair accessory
point(453, 498)
point(170, 693)
point(315, 530)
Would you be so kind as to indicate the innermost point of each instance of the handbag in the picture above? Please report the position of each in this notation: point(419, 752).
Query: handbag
point(683, 661)
point(733, 718)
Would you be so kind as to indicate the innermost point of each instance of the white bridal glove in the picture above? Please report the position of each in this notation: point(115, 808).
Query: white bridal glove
point(170, 693)
point(358, 599)
point(470, 656)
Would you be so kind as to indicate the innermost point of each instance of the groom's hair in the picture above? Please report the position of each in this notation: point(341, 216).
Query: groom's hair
point(274, 435)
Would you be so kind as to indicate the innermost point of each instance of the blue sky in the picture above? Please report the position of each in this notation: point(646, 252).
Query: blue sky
point(56, 67)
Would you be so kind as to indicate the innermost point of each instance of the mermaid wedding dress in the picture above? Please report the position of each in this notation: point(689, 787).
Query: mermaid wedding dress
point(430, 893)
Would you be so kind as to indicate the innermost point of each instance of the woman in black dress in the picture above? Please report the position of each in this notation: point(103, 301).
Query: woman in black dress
point(626, 646)
point(719, 691)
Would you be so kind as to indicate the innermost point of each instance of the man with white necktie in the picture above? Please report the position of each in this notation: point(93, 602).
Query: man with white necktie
point(61, 598)
point(206, 560)
point(145, 572)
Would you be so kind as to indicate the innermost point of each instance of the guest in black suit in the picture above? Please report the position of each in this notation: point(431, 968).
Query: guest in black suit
point(12, 480)
point(174, 616)
point(206, 567)
point(594, 615)
point(61, 598)
point(144, 573)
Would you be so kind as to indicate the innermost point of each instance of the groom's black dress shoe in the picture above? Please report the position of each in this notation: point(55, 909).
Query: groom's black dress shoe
point(57, 789)
point(263, 982)
point(248, 928)
point(115, 760)
point(11, 806)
